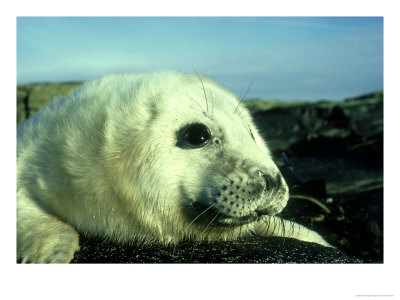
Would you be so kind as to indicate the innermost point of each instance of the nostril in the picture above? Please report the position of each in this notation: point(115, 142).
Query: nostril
point(256, 172)
point(273, 183)
point(268, 180)
point(278, 181)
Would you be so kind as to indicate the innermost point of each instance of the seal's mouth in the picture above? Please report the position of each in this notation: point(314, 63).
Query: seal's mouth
point(208, 214)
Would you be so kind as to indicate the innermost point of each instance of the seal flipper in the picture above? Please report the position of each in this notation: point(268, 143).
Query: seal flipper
point(275, 226)
point(41, 237)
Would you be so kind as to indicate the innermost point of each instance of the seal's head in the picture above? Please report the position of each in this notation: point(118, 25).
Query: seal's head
point(191, 154)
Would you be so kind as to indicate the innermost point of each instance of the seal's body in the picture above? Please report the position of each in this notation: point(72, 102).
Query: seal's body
point(153, 157)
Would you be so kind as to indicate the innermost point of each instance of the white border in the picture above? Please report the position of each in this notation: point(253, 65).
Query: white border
point(199, 281)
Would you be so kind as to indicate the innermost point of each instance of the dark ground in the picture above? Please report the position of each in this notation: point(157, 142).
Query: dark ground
point(252, 250)
point(338, 154)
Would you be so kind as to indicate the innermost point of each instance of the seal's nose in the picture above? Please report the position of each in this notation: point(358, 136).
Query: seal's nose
point(273, 182)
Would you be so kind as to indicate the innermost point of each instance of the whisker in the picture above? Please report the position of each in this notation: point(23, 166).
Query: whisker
point(197, 104)
point(242, 98)
point(283, 229)
point(204, 186)
point(212, 101)
point(204, 90)
point(198, 216)
point(227, 178)
point(209, 223)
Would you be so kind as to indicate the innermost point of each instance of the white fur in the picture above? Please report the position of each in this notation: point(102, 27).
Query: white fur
point(104, 160)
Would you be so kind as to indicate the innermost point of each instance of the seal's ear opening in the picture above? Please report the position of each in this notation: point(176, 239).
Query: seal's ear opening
point(192, 136)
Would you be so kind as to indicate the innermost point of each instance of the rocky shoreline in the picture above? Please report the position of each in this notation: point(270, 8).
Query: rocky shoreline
point(331, 153)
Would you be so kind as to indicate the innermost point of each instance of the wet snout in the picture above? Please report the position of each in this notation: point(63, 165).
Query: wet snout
point(273, 183)
point(276, 193)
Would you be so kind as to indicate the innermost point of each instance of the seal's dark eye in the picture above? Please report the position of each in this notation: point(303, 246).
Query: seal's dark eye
point(197, 135)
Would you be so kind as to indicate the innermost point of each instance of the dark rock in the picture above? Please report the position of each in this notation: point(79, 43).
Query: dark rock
point(283, 126)
point(32, 97)
point(252, 250)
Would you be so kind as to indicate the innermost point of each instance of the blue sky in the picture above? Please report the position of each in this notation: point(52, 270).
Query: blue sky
point(288, 58)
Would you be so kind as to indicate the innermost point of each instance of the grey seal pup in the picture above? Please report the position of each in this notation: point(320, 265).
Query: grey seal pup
point(163, 157)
